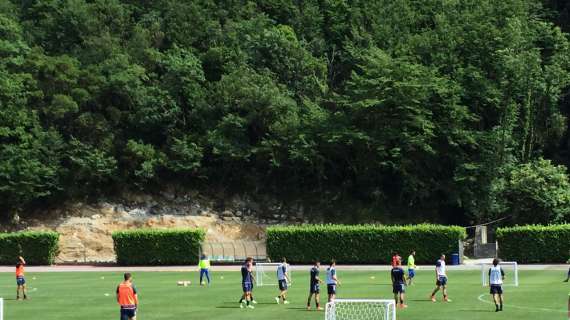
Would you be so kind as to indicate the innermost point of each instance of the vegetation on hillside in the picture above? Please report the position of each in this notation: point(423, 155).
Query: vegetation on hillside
point(436, 107)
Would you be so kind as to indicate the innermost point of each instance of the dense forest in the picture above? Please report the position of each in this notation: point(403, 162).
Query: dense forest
point(441, 110)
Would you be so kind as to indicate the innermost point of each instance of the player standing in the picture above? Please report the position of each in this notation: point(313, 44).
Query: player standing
point(315, 286)
point(204, 266)
point(20, 279)
point(399, 284)
point(247, 283)
point(441, 279)
point(496, 277)
point(395, 258)
point(283, 280)
point(127, 298)
point(332, 281)
point(411, 267)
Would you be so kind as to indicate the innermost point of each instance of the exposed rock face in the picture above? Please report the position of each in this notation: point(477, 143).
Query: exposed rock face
point(86, 229)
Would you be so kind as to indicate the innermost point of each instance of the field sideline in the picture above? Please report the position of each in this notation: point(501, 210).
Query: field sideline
point(90, 295)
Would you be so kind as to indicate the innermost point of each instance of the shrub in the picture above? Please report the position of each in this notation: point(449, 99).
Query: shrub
point(535, 243)
point(361, 244)
point(37, 247)
point(158, 247)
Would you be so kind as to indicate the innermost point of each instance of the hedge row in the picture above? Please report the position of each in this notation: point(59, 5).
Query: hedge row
point(532, 244)
point(37, 247)
point(361, 244)
point(158, 247)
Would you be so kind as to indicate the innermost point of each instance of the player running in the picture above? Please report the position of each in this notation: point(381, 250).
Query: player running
point(332, 281)
point(496, 278)
point(127, 298)
point(204, 266)
point(283, 280)
point(411, 267)
point(399, 284)
point(247, 283)
point(441, 279)
point(315, 286)
point(20, 279)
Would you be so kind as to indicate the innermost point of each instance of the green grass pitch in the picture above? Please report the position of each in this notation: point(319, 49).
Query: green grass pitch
point(88, 295)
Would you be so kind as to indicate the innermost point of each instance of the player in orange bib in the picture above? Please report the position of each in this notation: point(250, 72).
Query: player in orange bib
point(127, 298)
point(20, 280)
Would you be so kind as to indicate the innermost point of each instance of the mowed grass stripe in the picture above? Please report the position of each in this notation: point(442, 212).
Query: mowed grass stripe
point(91, 295)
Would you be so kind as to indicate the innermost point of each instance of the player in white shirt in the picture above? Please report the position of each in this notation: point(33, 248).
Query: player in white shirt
point(496, 278)
point(332, 281)
point(283, 281)
point(440, 279)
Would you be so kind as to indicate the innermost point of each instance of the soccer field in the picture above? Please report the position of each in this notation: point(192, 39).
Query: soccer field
point(90, 295)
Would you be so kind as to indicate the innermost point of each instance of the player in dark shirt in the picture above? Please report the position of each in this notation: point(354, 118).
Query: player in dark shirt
point(315, 286)
point(247, 283)
point(399, 283)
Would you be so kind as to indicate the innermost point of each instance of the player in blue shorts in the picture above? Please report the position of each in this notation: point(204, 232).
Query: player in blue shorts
point(411, 267)
point(399, 284)
point(283, 281)
point(315, 286)
point(332, 281)
point(440, 279)
point(496, 278)
point(20, 279)
point(247, 283)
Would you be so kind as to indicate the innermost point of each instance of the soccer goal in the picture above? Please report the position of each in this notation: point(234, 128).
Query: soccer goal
point(1, 308)
point(266, 274)
point(361, 309)
point(511, 273)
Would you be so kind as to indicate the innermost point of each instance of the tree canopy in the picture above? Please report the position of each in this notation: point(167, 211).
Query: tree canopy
point(429, 110)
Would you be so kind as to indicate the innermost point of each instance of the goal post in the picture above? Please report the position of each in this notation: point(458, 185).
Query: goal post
point(361, 309)
point(266, 273)
point(510, 268)
point(1, 308)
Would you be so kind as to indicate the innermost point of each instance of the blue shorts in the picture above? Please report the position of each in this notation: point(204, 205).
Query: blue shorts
point(247, 286)
point(127, 314)
point(20, 281)
point(411, 273)
point(331, 288)
point(282, 285)
point(441, 281)
point(399, 288)
point(315, 288)
point(496, 289)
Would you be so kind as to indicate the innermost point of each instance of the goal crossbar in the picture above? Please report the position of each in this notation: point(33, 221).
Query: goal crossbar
point(361, 309)
point(514, 276)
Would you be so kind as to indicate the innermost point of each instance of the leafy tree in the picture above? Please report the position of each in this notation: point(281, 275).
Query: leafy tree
point(539, 192)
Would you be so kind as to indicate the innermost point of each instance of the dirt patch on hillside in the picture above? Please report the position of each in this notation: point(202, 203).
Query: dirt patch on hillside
point(85, 231)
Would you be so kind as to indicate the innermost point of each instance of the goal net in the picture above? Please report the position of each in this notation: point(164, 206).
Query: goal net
point(511, 273)
point(266, 274)
point(360, 309)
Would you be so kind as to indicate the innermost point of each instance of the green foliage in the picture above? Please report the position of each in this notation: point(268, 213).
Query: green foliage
point(37, 247)
point(403, 107)
point(539, 192)
point(361, 244)
point(535, 243)
point(158, 247)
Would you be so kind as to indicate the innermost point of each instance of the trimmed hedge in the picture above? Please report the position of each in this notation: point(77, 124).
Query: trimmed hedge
point(37, 247)
point(158, 247)
point(535, 243)
point(361, 244)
